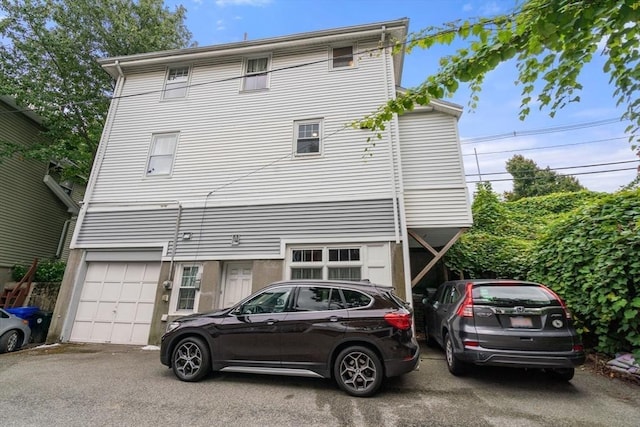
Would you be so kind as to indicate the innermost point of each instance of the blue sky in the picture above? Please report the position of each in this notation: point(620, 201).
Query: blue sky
point(593, 137)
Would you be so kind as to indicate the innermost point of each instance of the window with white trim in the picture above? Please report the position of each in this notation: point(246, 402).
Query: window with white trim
point(161, 154)
point(186, 289)
point(342, 57)
point(177, 83)
point(256, 73)
point(307, 137)
point(327, 262)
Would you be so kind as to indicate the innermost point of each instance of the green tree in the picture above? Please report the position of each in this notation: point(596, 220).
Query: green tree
point(48, 64)
point(529, 180)
point(550, 40)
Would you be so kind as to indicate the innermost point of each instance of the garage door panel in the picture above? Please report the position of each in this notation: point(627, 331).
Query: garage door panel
point(140, 333)
point(97, 272)
point(116, 305)
point(151, 273)
point(135, 273)
point(130, 291)
point(111, 291)
point(87, 311)
point(92, 291)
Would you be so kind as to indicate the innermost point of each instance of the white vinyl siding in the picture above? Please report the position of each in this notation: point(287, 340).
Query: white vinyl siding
point(177, 83)
point(435, 192)
point(161, 154)
point(256, 73)
point(249, 151)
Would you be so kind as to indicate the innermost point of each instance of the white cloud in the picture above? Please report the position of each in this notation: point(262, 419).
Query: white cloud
point(259, 3)
point(467, 7)
point(490, 8)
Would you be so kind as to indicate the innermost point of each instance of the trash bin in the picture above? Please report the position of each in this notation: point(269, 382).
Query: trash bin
point(39, 323)
point(23, 312)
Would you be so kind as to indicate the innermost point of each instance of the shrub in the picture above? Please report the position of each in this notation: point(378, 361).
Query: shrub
point(47, 271)
point(591, 259)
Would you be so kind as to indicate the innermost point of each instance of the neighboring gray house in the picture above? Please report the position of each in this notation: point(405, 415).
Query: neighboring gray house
point(226, 167)
point(36, 213)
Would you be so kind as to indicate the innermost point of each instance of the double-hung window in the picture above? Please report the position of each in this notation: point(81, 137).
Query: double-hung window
point(184, 296)
point(256, 74)
point(307, 137)
point(332, 263)
point(177, 83)
point(342, 57)
point(161, 154)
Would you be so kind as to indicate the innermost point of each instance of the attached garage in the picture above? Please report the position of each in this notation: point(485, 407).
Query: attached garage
point(116, 302)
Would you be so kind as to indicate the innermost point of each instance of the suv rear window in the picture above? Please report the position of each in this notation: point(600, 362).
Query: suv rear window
point(512, 294)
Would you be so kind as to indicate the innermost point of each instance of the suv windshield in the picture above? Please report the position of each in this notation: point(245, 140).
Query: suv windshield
point(499, 294)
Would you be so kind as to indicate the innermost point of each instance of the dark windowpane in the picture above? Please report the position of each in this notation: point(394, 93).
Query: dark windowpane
point(335, 301)
point(333, 255)
point(306, 273)
point(355, 299)
point(186, 298)
point(343, 57)
point(311, 145)
point(345, 273)
point(354, 254)
point(313, 299)
point(296, 256)
point(317, 255)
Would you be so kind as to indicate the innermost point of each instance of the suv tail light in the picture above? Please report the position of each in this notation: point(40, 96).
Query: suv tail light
point(466, 308)
point(400, 321)
point(567, 313)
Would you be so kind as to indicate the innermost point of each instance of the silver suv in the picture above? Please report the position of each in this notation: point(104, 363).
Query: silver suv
point(503, 323)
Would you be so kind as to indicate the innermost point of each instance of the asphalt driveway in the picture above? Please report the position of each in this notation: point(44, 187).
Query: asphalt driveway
point(81, 385)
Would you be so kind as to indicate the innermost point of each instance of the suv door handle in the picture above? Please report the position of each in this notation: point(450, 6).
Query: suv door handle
point(334, 318)
point(271, 321)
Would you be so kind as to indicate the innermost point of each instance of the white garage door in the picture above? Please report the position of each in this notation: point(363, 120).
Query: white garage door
point(116, 305)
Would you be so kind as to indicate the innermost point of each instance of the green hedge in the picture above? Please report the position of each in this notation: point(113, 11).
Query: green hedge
point(591, 258)
point(48, 271)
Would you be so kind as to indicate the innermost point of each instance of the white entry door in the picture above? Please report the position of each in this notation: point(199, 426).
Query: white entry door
point(237, 283)
point(116, 304)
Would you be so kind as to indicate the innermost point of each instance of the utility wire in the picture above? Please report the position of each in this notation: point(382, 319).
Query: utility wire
point(532, 178)
point(545, 147)
point(565, 167)
point(540, 131)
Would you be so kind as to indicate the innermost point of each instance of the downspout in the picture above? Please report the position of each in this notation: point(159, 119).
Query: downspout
point(394, 196)
point(63, 237)
point(398, 198)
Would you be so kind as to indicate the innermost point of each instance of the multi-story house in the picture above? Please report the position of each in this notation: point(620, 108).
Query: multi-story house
point(37, 211)
point(224, 168)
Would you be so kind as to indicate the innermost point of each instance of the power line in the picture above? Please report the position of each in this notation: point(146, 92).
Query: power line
point(546, 146)
point(565, 167)
point(532, 178)
point(540, 131)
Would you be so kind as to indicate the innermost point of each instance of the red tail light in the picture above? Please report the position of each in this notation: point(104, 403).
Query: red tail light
point(578, 347)
point(466, 308)
point(400, 321)
point(468, 343)
point(567, 313)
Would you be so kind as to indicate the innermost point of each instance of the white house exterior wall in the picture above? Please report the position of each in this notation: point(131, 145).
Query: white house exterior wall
point(435, 193)
point(224, 132)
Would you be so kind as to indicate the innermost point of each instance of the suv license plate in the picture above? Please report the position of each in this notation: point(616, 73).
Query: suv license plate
point(521, 322)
